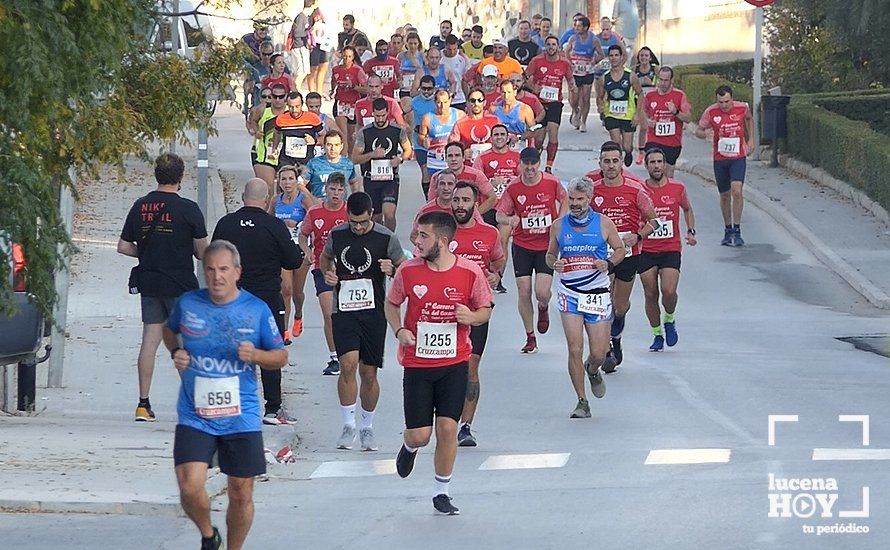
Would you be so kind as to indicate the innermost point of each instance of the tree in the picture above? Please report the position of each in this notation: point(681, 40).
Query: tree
point(80, 85)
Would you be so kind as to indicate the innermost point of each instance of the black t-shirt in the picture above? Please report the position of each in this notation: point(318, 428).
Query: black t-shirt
point(390, 138)
point(523, 51)
point(265, 245)
point(166, 268)
point(357, 257)
point(348, 39)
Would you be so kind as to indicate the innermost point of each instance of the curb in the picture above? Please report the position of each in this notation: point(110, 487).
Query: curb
point(799, 231)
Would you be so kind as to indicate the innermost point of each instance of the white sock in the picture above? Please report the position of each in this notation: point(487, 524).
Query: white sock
point(333, 356)
point(366, 419)
point(440, 485)
point(409, 448)
point(348, 412)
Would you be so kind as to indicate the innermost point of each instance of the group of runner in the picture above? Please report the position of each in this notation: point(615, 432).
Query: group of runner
point(477, 129)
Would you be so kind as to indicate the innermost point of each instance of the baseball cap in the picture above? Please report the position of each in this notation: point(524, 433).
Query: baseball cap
point(489, 70)
point(530, 155)
point(499, 42)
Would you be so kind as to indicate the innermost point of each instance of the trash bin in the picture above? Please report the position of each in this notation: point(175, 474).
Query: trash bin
point(775, 117)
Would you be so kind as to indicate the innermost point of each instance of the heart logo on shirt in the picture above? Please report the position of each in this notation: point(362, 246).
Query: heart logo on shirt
point(478, 244)
point(520, 199)
point(493, 163)
point(420, 291)
point(448, 291)
point(542, 197)
point(452, 246)
point(319, 223)
point(717, 119)
point(598, 201)
point(653, 104)
point(543, 70)
point(666, 199)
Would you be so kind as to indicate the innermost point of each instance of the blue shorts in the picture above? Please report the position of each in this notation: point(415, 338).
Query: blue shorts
point(420, 156)
point(320, 284)
point(728, 171)
point(568, 303)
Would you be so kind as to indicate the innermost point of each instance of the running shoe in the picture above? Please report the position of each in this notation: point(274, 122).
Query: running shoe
point(298, 328)
point(278, 418)
point(442, 504)
point(347, 438)
point(658, 342)
point(670, 334)
point(640, 157)
point(213, 542)
point(728, 235)
point(582, 409)
point(737, 239)
point(500, 289)
point(144, 414)
point(583, 127)
point(543, 319)
point(609, 364)
point(616, 351)
point(548, 169)
point(333, 368)
point(465, 437)
point(405, 462)
point(597, 384)
point(271, 419)
point(628, 158)
point(574, 120)
point(531, 345)
point(287, 340)
point(366, 437)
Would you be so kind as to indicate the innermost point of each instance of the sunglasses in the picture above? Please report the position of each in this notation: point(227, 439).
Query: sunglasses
point(426, 88)
point(478, 100)
point(277, 96)
point(266, 53)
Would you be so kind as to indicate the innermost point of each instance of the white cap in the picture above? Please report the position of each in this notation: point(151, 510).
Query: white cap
point(499, 42)
point(489, 70)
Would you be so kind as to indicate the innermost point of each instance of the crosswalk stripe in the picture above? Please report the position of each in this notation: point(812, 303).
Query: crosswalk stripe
point(525, 462)
point(687, 456)
point(355, 468)
point(851, 454)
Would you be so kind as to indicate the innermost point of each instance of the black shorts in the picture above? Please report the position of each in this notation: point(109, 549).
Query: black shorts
point(671, 154)
point(526, 261)
point(728, 171)
point(553, 112)
point(350, 121)
point(240, 454)
point(156, 310)
point(318, 56)
point(586, 80)
point(320, 284)
point(616, 124)
point(438, 391)
point(491, 217)
point(664, 260)
point(479, 337)
point(382, 192)
point(362, 331)
point(627, 269)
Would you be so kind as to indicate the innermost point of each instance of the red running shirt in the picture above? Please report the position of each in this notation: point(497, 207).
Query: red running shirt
point(624, 204)
point(537, 207)
point(549, 75)
point(390, 72)
point(729, 130)
point(668, 130)
point(364, 113)
point(342, 77)
point(317, 224)
point(430, 314)
point(668, 200)
point(480, 243)
point(467, 174)
point(499, 165)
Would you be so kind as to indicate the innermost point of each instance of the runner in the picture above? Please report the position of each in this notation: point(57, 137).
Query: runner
point(665, 109)
point(434, 67)
point(290, 206)
point(607, 38)
point(320, 168)
point(660, 259)
point(474, 130)
point(418, 107)
point(446, 295)
point(490, 86)
point(355, 261)
point(434, 132)
point(454, 159)
point(500, 166)
point(328, 122)
point(364, 111)
point(515, 115)
point(478, 242)
point(456, 63)
point(347, 81)
point(377, 151)
point(729, 125)
point(500, 60)
point(387, 68)
point(617, 93)
point(545, 76)
point(523, 47)
point(438, 41)
point(626, 203)
point(529, 205)
point(473, 48)
point(320, 220)
point(261, 125)
point(582, 50)
point(579, 252)
point(410, 61)
point(546, 31)
point(217, 338)
point(299, 130)
point(646, 71)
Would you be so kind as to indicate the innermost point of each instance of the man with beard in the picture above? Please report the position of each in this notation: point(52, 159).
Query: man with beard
point(660, 259)
point(454, 160)
point(523, 48)
point(446, 295)
point(579, 251)
point(415, 109)
point(478, 242)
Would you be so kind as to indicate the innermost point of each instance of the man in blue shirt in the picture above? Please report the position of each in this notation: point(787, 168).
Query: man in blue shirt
point(420, 105)
point(319, 168)
point(564, 38)
point(217, 337)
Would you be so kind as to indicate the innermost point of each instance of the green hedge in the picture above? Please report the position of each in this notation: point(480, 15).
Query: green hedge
point(872, 109)
point(847, 149)
point(700, 90)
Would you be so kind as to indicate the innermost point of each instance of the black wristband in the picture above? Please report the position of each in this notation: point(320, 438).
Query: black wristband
point(691, 232)
point(640, 237)
point(398, 330)
point(173, 352)
point(610, 264)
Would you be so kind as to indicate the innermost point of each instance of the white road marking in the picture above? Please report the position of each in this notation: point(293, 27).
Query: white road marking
point(356, 468)
point(525, 462)
point(851, 454)
point(687, 456)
